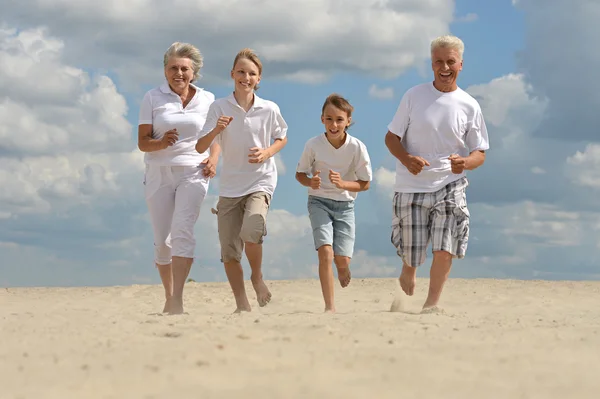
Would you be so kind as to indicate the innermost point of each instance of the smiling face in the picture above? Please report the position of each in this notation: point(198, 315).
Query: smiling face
point(179, 73)
point(446, 63)
point(336, 121)
point(246, 75)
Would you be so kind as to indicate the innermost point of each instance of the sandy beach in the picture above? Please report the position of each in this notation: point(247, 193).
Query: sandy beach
point(494, 339)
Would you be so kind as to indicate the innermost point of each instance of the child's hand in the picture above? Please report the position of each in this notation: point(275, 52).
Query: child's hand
point(336, 179)
point(222, 123)
point(258, 155)
point(315, 181)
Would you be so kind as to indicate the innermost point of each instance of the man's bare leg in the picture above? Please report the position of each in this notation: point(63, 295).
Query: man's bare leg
point(181, 271)
point(408, 279)
point(343, 268)
point(326, 276)
point(235, 275)
point(166, 276)
point(254, 255)
point(440, 270)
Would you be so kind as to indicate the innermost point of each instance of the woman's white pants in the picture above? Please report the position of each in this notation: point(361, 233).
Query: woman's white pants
point(174, 195)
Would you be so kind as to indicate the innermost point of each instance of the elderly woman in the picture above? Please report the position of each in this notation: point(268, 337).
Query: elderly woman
point(177, 176)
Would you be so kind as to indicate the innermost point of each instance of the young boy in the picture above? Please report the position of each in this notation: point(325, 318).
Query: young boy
point(346, 167)
point(250, 131)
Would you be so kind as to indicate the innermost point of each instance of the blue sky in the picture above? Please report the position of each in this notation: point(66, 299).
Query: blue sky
point(72, 76)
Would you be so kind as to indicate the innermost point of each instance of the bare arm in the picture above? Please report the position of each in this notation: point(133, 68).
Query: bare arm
point(395, 147)
point(215, 151)
point(413, 163)
point(147, 144)
point(206, 141)
point(259, 155)
point(277, 146)
point(303, 179)
point(475, 159)
point(352, 186)
point(355, 186)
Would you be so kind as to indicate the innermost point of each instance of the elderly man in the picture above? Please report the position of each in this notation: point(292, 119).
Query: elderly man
point(437, 133)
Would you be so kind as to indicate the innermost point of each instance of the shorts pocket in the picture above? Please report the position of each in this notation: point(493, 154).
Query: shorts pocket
point(461, 218)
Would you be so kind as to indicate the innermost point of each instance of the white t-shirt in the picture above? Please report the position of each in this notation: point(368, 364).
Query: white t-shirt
point(258, 127)
point(434, 125)
point(162, 108)
point(351, 161)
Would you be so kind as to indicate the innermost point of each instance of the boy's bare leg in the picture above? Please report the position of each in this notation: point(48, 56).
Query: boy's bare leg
point(408, 279)
point(235, 275)
point(440, 270)
point(254, 255)
point(343, 268)
point(166, 276)
point(181, 270)
point(326, 276)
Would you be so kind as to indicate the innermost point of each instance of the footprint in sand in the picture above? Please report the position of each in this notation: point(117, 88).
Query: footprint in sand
point(398, 305)
point(434, 310)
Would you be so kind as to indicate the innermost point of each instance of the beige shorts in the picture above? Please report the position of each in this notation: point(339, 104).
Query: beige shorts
point(240, 220)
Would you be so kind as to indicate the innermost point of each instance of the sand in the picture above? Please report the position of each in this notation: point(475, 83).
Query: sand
point(494, 339)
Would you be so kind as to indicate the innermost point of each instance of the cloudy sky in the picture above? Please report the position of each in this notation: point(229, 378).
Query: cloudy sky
point(73, 72)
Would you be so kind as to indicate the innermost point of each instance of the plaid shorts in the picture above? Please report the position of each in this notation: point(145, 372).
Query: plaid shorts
point(441, 217)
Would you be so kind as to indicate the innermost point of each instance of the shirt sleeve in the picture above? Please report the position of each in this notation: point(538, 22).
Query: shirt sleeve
point(401, 120)
point(363, 170)
point(145, 115)
point(477, 135)
point(280, 127)
point(307, 159)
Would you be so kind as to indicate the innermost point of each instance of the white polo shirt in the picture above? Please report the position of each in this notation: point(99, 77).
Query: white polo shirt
point(434, 125)
point(351, 161)
point(258, 127)
point(163, 109)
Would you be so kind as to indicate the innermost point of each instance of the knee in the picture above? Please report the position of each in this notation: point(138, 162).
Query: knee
point(442, 255)
point(325, 253)
point(342, 261)
point(253, 229)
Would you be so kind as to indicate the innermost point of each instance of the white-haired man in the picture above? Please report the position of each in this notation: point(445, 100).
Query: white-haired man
point(437, 133)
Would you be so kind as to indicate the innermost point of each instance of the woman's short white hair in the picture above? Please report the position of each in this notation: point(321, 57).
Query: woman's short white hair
point(448, 41)
point(186, 50)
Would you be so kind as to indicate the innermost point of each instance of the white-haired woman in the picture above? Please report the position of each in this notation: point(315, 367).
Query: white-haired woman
point(177, 176)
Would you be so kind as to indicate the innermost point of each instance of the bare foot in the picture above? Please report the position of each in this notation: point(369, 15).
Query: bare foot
point(167, 305)
point(176, 306)
point(241, 309)
point(242, 304)
point(344, 276)
point(331, 310)
point(263, 295)
point(408, 279)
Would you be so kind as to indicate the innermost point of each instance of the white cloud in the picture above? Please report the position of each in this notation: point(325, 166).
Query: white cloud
point(572, 112)
point(317, 39)
point(64, 139)
point(536, 170)
point(383, 93)
point(584, 167)
point(547, 225)
point(506, 104)
point(385, 180)
point(470, 17)
point(281, 169)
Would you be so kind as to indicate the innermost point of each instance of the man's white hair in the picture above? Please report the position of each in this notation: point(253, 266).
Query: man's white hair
point(448, 41)
point(186, 50)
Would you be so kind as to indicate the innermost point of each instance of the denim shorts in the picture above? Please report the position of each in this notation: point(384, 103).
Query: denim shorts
point(332, 224)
